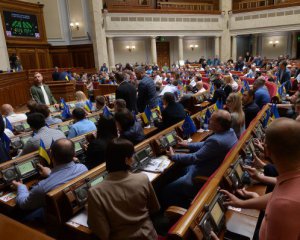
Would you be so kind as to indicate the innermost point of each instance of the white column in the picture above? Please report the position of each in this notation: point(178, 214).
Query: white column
point(180, 48)
point(217, 46)
point(225, 6)
point(153, 50)
point(98, 32)
point(294, 45)
point(234, 48)
point(254, 45)
point(4, 60)
point(111, 53)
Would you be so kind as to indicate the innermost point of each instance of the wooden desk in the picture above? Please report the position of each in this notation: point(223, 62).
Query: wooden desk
point(11, 229)
point(150, 131)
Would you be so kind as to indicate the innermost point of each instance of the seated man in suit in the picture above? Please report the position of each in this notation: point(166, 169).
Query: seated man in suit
point(172, 113)
point(81, 124)
point(64, 169)
point(40, 92)
point(204, 159)
point(249, 106)
point(37, 123)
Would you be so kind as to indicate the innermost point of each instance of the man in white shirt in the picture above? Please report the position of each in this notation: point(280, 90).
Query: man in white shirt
point(8, 112)
point(40, 92)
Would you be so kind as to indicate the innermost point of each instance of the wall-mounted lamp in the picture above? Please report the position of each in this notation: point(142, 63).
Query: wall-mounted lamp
point(74, 26)
point(130, 48)
point(192, 47)
point(274, 43)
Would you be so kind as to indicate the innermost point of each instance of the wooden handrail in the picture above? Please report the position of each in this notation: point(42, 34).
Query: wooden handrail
point(182, 226)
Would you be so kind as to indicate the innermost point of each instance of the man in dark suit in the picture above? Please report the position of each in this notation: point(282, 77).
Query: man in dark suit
point(173, 112)
point(250, 108)
point(204, 159)
point(3, 152)
point(56, 74)
point(146, 90)
point(126, 91)
point(284, 75)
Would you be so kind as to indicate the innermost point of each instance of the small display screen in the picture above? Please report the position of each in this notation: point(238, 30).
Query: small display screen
point(52, 109)
point(25, 168)
point(141, 155)
point(93, 119)
point(64, 128)
point(217, 213)
point(77, 147)
point(239, 170)
point(25, 139)
point(154, 115)
point(97, 181)
point(21, 25)
point(170, 138)
point(26, 125)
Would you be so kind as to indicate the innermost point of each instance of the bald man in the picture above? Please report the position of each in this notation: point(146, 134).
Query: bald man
point(282, 206)
point(64, 169)
point(8, 112)
point(199, 87)
point(204, 159)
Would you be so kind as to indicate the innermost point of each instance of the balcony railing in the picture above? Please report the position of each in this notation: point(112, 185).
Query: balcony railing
point(163, 6)
point(254, 5)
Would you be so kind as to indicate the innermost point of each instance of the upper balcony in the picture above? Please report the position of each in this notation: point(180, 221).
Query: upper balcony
point(239, 6)
point(163, 6)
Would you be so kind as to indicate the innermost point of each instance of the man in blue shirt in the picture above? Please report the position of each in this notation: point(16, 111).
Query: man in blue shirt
point(262, 96)
point(81, 124)
point(64, 170)
point(204, 159)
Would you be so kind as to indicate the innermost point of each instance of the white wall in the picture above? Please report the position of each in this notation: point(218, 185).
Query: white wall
point(205, 48)
point(272, 52)
point(140, 54)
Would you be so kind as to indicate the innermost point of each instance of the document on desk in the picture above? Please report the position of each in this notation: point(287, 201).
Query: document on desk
point(151, 175)
point(79, 219)
point(8, 196)
point(157, 165)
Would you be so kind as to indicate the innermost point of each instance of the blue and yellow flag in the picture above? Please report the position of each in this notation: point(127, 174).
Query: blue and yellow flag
point(212, 89)
point(88, 106)
point(106, 113)
point(188, 126)
point(266, 119)
point(6, 140)
point(275, 112)
point(218, 105)
point(206, 119)
point(43, 153)
point(66, 110)
point(146, 115)
point(8, 124)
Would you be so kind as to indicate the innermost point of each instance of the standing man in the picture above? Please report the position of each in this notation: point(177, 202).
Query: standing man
point(41, 93)
point(56, 74)
point(146, 90)
point(126, 91)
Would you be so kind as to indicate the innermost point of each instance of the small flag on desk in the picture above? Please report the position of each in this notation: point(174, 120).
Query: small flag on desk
point(206, 119)
point(88, 105)
point(212, 89)
point(219, 105)
point(246, 85)
point(275, 112)
point(66, 110)
point(43, 153)
point(266, 120)
point(106, 113)
point(6, 141)
point(146, 115)
point(188, 126)
point(8, 124)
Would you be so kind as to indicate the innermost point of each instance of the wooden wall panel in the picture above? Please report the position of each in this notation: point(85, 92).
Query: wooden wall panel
point(14, 88)
point(28, 59)
point(73, 56)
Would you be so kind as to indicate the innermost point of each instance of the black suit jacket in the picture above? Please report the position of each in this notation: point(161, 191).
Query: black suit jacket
point(171, 115)
point(3, 153)
point(127, 92)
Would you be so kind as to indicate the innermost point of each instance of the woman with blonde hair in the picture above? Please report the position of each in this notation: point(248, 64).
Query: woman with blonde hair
point(229, 81)
point(80, 99)
point(234, 105)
